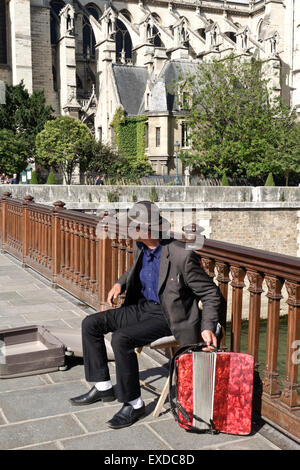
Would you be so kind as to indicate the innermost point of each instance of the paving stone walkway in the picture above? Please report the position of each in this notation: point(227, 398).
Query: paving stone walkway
point(35, 412)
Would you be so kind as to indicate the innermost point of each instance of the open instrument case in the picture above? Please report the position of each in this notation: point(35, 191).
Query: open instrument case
point(37, 349)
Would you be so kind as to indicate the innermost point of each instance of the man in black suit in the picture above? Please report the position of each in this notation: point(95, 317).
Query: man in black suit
point(163, 289)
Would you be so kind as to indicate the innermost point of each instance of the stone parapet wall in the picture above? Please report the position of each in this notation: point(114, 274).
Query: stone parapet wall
point(210, 196)
point(249, 216)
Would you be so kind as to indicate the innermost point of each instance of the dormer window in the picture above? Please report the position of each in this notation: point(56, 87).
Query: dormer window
point(201, 33)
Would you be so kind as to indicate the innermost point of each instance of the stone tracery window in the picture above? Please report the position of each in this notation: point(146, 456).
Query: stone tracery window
point(123, 43)
point(126, 14)
point(231, 35)
point(56, 7)
point(153, 36)
point(3, 43)
point(156, 17)
point(88, 36)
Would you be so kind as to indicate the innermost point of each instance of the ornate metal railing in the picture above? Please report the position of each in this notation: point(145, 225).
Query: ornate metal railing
point(63, 246)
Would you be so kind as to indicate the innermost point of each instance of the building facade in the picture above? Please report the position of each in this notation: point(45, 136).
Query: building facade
point(92, 58)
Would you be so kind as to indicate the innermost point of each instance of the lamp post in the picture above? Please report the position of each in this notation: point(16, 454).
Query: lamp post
point(176, 148)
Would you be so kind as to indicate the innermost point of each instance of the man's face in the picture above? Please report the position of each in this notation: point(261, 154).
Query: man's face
point(142, 234)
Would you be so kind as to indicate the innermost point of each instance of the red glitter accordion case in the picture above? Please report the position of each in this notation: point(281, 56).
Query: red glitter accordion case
point(214, 391)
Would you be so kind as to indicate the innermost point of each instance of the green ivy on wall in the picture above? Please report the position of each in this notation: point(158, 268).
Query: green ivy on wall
point(130, 135)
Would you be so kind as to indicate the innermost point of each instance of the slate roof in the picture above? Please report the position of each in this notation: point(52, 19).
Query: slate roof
point(131, 84)
point(173, 72)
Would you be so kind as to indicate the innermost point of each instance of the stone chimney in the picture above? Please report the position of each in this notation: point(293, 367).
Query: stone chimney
point(160, 58)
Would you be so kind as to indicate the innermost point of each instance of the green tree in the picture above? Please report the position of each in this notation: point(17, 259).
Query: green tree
point(34, 178)
point(13, 152)
point(224, 181)
point(100, 160)
point(133, 169)
point(25, 114)
point(51, 178)
point(270, 180)
point(233, 120)
point(287, 161)
point(63, 144)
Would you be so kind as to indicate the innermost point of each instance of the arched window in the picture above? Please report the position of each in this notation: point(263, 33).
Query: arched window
point(201, 32)
point(56, 6)
point(78, 81)
point(3, 44)
point(186, 20)
point(123, 43)
point(156, 17)
point(262, 30)
point(231, 35)
point(54, 76)
point(88, 37)
point(126, 14)
point(153, 36)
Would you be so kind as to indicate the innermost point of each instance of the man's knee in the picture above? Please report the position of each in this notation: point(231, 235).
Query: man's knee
point(120, 341)
point(91, 323)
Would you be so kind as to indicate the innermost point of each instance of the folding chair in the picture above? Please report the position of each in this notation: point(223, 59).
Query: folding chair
point(167, 342)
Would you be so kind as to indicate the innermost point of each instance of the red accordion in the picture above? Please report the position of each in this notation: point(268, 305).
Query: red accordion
point(213, 390)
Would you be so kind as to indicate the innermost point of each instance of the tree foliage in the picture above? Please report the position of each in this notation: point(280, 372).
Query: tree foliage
point(129, 135)
point(34, 178)
point(63, 144)
point(224, 181)
point(100, 160)
point(270, 180)
point(24, 114)
point(236, 123)
point(51, 178)
point(13, 152)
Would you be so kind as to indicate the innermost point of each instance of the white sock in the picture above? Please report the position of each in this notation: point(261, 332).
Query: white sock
point(137, 403)
point(102, 386)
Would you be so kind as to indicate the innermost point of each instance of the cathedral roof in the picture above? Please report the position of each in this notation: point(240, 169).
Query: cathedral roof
point(131, 83)
point(172, 73)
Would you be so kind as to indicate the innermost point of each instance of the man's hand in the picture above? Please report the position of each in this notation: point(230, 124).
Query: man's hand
point(210, 339)
point(114, 292)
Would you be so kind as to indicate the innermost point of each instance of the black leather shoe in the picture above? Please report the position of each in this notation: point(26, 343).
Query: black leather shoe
point(93, 396)
point(126, 416)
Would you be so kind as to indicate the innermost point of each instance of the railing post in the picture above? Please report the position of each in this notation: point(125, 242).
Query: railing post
point(270, 380)
point(114, 260)
point(209, 266)
point(223, 281)
point(76, 247)
point(87, 250)
point(82, 256)
point(104, 267)
point(26, 228)
point(237, 283)
point(4, 219)
point(93, 261)
point(255, 289)
point(289, 395)
point(56, 241)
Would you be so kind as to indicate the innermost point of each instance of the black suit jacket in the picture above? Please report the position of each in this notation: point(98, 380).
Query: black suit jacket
point(182, 283)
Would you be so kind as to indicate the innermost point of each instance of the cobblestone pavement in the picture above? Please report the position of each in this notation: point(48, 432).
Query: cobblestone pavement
point(35, 412)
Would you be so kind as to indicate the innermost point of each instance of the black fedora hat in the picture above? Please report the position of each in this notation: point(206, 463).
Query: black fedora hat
point(142, 217)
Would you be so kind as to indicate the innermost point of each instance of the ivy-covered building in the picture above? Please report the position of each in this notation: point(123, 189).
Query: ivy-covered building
point(94, 57)
point(148, 119)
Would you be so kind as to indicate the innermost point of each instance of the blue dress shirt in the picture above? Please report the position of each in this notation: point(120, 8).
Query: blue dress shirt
point(149, 273)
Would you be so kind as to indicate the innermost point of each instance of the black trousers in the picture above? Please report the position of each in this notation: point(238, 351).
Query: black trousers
point(132, 326)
